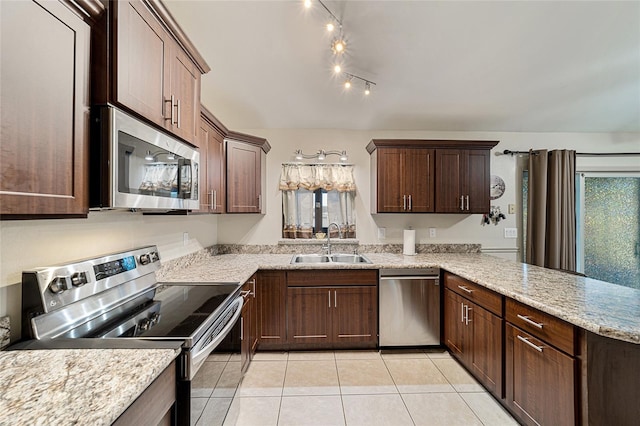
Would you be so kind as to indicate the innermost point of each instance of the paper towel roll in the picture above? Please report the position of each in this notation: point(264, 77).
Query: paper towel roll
point(409, 247)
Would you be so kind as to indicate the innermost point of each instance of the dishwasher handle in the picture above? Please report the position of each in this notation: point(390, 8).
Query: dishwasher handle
point(409, 277)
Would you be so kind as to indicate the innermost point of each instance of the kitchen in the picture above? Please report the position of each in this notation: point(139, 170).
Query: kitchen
point(26, 244)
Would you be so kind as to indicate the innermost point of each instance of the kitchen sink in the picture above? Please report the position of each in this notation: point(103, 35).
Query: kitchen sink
point(334, 258)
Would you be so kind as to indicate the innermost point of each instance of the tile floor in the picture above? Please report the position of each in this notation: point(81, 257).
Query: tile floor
point(344, 388)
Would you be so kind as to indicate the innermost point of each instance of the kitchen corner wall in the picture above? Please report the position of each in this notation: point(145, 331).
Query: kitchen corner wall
point(450, 228)
point(26, 244)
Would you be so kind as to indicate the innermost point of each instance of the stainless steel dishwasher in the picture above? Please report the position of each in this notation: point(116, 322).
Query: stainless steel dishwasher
point(409, 302)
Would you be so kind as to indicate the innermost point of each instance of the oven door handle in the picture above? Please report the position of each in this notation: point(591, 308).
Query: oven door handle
point(200, 355)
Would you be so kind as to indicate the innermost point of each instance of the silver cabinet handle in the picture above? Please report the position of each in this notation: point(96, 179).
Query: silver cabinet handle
point(211, 203)
point(241, 328)
point(463, 288)
point(462, 202)
point(467, 202)
point(526, 340)
point(174, 104)
point(215, 199)
point(462, 309)
point(329, 294)
point(529, 321)
point(178, 120)
point(467, 320)
point(335, 299)
point(404, 202)
point(409, 202)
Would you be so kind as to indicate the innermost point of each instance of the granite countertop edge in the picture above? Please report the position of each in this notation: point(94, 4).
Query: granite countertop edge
point(591, 309)
point(36, 380)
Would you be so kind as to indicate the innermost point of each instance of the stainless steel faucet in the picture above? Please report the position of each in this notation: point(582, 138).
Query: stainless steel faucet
point(327, 246)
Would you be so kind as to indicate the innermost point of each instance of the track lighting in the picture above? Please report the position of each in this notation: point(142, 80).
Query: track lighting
point(339, 46)
point(321, 155)
point(148, 157)
point(367, 83)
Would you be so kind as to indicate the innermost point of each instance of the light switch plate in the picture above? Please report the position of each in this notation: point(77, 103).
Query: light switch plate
point(512, 209)
point(511, 232)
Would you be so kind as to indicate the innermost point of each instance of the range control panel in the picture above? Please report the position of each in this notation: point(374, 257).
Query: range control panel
point(115, 267)
point(65, 284)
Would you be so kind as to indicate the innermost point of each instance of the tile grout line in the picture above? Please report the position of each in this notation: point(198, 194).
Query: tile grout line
point(399, 393)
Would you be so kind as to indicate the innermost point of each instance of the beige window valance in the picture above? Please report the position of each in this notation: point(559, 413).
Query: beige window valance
point(337, 177)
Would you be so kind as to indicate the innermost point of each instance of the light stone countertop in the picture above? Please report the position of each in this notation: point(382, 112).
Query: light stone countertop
point(603, 308)
point(75, 386)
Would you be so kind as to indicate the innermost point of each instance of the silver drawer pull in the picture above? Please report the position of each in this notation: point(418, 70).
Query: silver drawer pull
point(463, 288)
point(526, 340)
point(533, 323)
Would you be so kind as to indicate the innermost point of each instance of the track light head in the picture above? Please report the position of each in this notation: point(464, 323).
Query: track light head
point(367, 88)
point(307, 3)
point(330, 27)
point(343, 156)
point(338, 46)
point(321, 155)
point(299, 155)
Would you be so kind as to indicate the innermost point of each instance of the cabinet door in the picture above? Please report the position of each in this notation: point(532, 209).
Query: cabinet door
point(185, 89)
point(243, 178)
point(419, 185)
point(454, 324)
point(204, 135)
point(308, 315)
point(354, 315)
point(390, 180)
point(44, 110)
point(216, 171)
point(449, 185)
point(142, 67)
point(271, 297)
point(477, 180)
point(245, 332)
point(486, 348)
point(539, 380)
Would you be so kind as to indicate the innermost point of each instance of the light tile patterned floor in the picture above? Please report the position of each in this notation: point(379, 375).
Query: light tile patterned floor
point(349, 388)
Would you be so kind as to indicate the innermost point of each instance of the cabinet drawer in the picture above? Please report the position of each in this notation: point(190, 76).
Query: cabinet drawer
point(552, 330)
point(484, 297)
point(314, 277)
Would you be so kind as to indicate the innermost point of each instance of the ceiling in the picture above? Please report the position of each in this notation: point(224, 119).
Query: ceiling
point(522, 66)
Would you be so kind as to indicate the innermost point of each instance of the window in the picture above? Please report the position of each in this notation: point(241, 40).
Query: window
point(313, 196)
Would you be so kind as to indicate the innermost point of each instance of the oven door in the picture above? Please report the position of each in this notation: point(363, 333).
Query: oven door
point(214, 336)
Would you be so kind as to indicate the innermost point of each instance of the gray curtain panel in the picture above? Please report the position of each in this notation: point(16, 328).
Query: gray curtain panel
point(551, 220)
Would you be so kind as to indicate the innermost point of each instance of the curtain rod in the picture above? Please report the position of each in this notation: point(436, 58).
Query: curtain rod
point(586, 154)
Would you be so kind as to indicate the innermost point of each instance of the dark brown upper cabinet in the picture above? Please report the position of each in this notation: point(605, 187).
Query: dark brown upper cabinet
point(246, 167)
point(404, 180)
point(462, 181)
point(212, 167)
point(430, 176)
point(145, 63)
point(44, 124)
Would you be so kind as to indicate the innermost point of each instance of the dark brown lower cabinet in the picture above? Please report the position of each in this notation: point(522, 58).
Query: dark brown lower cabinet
point(474, 336)
point(249, 324)
point(271, 296)
point(540, 380)
point(336, 317)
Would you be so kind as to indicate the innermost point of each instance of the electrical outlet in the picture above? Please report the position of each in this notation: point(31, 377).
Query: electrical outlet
point(512, 209)
point(511, 232)
point(382, 232)
point(432, 232)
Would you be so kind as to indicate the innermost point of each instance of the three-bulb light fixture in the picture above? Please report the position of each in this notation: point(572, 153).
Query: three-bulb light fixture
point(321, 155)
point(338, 47)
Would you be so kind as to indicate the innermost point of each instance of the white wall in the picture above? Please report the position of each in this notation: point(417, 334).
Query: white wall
point(256, 229)
point(26, 244)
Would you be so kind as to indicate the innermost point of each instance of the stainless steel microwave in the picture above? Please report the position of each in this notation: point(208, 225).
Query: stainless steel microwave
point(135, 166)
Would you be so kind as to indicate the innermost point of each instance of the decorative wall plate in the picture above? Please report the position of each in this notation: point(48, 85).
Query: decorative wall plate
point(497, 187)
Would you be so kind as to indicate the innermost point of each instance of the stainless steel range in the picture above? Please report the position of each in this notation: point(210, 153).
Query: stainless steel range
point(116, 296)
